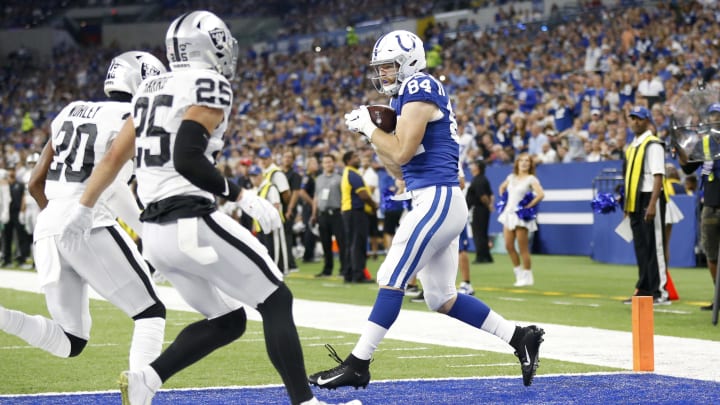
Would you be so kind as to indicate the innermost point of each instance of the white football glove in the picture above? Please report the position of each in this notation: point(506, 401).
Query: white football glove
point(76, 230)
point(358, 120)
point(262, 211)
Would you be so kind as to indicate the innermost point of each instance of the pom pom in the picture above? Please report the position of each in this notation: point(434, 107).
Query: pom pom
point(526, 213)
point(500, 205)
point(604, 203)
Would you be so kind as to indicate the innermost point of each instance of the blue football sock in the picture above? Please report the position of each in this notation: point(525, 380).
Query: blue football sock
point(469, 310)
point(387, 307)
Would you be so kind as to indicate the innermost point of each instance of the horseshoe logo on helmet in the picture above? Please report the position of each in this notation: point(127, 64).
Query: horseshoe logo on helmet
point(403, 47)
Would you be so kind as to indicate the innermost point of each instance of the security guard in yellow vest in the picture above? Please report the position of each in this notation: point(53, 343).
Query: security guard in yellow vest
point(272, 173)
point(644, 204)
point(356, 204)
point(274, 241)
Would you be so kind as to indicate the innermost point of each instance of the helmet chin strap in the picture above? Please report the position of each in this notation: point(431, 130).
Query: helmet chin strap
point(392, 89)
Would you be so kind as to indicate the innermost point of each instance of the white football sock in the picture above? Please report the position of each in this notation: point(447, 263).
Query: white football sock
point(37, 330)
point(371, 336)
point(498, 326)
point(146, 342)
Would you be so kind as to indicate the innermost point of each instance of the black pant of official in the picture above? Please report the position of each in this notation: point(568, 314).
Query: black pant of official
point(330, 224)
point(480, 224)
point(290, 241)
point(357, 229)
point(24, 241)
point(308, 237)
point(648, 240)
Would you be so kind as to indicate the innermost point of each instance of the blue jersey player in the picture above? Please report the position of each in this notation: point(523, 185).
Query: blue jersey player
point(423, 152)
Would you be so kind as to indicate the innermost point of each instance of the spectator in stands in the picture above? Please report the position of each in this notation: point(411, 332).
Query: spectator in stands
point(537, 139)
point(574, 138)
point(596, 154)
point(547, 155)
point(562, 112)
point(650, 87)
point(519, 134)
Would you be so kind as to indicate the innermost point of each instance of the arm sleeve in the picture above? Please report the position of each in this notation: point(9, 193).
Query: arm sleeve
point(190, 161)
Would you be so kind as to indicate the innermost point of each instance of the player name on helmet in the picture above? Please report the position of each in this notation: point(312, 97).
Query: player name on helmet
point(85, 111)
point(155, 85)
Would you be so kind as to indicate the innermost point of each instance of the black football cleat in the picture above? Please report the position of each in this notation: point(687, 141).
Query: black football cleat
point(527, 350)
point(343, 375)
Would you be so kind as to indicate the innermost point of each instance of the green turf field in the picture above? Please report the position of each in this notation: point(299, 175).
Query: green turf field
point(569, 290)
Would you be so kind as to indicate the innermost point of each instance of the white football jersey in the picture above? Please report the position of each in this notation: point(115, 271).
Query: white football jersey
point(158, 109)
point(80, 136)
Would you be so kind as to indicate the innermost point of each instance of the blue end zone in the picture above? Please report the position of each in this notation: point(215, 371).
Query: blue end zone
point(580, 389)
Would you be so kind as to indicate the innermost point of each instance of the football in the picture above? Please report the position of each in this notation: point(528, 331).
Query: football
point(383, 116)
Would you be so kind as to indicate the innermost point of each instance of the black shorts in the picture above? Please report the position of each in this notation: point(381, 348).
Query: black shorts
point(392, 220)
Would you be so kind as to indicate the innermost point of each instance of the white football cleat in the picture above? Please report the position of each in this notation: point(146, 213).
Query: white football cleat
point(134, 390)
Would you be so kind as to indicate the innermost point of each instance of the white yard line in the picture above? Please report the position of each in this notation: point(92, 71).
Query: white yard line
point(679, 357)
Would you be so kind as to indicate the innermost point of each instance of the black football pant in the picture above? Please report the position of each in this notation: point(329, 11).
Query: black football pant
point(330, 224)
point(357, 230)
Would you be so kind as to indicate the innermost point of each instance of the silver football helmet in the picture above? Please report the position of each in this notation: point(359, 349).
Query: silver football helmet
point(128, 69)
point(201, 40)
point(405, 50)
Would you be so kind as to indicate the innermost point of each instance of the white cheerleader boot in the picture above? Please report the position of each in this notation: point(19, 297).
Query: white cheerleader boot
point(529, 279)
point(525, 279)
point(518, 276)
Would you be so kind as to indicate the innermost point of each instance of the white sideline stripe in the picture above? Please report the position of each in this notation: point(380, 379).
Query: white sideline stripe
point(574, 194)
point(89, 345)
point(575, 304)
point(484, 365)
point(677, 357)
point(565, 218)
point(441, 356)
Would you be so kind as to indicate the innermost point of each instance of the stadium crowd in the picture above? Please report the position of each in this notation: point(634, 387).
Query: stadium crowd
point(559, 91)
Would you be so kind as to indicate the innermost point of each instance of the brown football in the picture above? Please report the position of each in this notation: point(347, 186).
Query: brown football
point(383, 116)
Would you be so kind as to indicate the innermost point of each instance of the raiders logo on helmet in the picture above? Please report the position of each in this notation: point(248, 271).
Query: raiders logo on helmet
point(149, 70)
point(218, 38)
point(111, 70)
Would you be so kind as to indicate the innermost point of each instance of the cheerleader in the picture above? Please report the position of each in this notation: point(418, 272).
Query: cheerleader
point(517, 225)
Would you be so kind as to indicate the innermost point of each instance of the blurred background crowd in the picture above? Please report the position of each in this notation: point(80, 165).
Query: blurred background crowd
point(556, 86)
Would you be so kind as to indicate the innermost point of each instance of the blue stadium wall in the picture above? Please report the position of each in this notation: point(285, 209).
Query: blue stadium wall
point(568, 226)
